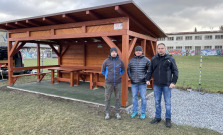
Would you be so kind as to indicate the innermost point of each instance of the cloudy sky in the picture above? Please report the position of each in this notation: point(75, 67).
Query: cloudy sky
point(169, 15)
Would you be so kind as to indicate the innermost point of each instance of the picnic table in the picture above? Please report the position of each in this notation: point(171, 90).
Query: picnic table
point(70, 70)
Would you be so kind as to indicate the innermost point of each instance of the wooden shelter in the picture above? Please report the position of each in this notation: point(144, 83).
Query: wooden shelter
point(84, 38)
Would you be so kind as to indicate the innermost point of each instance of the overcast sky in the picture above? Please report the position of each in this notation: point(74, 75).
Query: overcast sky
point(169, 15)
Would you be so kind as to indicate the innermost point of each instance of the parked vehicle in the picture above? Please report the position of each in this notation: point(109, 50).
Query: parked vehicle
point(17, 62)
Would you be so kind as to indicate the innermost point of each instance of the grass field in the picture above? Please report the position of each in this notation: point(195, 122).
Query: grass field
point(24, 114)
point(189, 71)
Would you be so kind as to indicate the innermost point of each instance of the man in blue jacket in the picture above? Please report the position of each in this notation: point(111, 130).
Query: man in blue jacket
point(113, 69)
point(137, 70)
point(165, 74)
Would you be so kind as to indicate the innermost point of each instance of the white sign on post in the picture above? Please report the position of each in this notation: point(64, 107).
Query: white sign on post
point(118, 26)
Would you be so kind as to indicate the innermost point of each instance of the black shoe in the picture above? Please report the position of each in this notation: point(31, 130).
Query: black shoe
point(168, 123)
point(155, 120)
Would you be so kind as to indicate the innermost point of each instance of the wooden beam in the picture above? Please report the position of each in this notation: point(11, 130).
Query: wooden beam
point(111, 44)
point(155, 46)
point(33, 67)
point(13, 48)
point(60, 56)
point(122, 12)
point(18, 48)
point(49, 21)
point(153, 49)
point(93, 14)
point(65, 50)
point(10, 64)
point(131, 46)
point(52, 32)
point(42, 42)
point(65, 16)
point(85, 52)
point(84, 30)
point(125, 51)
point(142, 36)
point(21, 24)
point(52, 47)
point(67, 36)
point(11, 26)
point(143, 44)
point(72, 25)
point(3, 27)
point(32, 23)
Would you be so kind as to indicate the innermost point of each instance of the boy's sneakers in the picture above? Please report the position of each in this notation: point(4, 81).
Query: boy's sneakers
point(107, 116)
point(134, 114)
point(142, 116)
point(118, 116)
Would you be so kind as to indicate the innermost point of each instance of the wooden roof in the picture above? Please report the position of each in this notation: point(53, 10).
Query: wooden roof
point(139, 21)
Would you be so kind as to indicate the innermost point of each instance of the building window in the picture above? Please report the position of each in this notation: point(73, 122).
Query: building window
point(179, 47)
point(179, 38)
point(218, 47)
point(208, 37)
point(170, 38)
point(188, 47)
point(207, 47)
point(169, 47)
point(198, 37)
point(161, 39)
point(188, 38)
point(218, 36)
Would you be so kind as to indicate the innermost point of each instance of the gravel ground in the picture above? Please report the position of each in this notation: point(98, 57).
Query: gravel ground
point(191, 108)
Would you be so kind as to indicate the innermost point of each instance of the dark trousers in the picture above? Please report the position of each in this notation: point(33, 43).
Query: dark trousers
point(108, 92)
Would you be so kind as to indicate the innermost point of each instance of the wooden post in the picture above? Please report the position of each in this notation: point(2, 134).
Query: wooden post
point(125, 51)
point(155, 46)
point(59, 61)
point(38, 61)
point(10, 63)
point(84, 54)
point(143, 44)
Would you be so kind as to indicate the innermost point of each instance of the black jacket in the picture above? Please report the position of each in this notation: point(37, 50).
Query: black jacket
point(163, 69)
point(113, 69)
point(137, 69)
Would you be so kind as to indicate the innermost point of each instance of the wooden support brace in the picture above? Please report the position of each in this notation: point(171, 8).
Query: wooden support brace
point(13, 48)
point(154, 53)
point(41, 77)
point(143, 44)
point(111, 44)
point(52, 47)
point(64, 50)
point(18, 48)
point(131, 46)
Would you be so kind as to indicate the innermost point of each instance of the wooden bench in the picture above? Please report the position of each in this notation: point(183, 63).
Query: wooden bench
point(15, 77)
point(63, 69)
point(93, 82)
point(82, 74)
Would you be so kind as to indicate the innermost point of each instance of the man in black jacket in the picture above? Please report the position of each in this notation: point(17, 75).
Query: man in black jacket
point(165, 74)
point(137, 70)
point(113, 69)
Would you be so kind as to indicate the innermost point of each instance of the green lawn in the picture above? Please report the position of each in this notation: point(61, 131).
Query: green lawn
point(189, 71)
point(23, 113)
